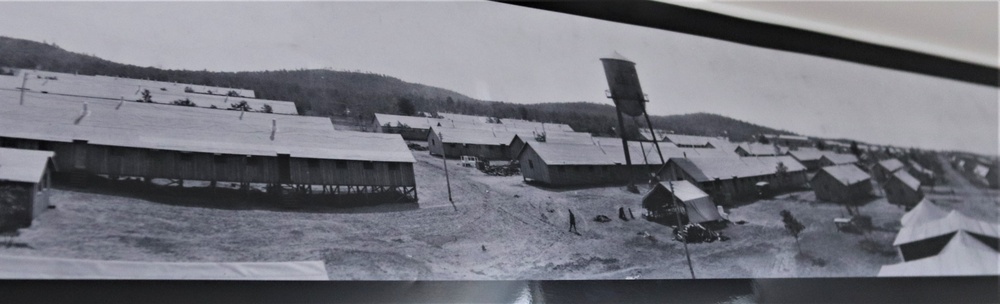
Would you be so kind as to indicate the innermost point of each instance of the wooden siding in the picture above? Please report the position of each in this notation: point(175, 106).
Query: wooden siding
point(535, 169)
point(829, 189)
point(123, 161)
point(734, 189)
point(898, 193)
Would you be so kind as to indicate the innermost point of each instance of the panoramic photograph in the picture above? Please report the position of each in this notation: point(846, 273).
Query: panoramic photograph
point(470, 141)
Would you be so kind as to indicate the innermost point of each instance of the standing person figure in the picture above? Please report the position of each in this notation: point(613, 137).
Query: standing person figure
point(572, 221)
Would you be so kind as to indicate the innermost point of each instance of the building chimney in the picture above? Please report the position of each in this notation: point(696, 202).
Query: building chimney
point(274, 127)
point(82, 114)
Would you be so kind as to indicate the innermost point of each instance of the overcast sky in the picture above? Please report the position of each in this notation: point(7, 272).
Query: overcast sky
point(500, 52)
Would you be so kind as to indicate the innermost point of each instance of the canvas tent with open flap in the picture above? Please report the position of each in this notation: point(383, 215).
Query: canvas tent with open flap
point(700, 207)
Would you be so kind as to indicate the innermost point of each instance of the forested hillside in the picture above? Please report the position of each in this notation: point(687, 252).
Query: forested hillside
point(334, 93)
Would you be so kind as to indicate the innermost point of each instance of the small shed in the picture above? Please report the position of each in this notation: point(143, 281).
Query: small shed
point(903, 189)
point(841, 184)
point(25, 177)
point(963, 255)
point(699, 205)
point(927, 239)
point(883, 170)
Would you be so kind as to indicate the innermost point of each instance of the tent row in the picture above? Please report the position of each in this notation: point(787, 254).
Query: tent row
point(938, 242)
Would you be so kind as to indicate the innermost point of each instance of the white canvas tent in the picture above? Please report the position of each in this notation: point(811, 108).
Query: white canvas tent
point(963, 256)
point(22, 267)
point(924, 212)
point(700, 207)
point(952, 222)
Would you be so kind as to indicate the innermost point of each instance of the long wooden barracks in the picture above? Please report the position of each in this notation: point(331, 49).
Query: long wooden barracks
point(106, 137)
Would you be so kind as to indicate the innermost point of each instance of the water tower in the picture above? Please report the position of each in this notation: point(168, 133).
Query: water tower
point(625, 91)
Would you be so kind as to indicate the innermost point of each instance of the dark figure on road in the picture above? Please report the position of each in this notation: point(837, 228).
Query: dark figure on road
point(630, 213)
point(621, 214)
point(572, 221)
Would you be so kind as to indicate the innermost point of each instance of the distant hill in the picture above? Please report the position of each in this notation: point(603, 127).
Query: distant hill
point(333, 93)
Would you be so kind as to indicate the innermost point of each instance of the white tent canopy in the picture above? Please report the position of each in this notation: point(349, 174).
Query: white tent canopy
point(952, 222)
point(924, 212)
point(963, 256)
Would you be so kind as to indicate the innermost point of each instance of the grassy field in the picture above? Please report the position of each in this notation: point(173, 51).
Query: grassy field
point(522, 227)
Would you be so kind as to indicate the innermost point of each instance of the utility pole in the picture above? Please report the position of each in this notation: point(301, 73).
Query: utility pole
point(447, 180)
point(673, 199)
point(24, 82)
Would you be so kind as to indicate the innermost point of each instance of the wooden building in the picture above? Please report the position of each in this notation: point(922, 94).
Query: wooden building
point(809, 157)
point(569, 165)
point(903, 189)
point(729, 179)
point(690, 141)
point(25, 178)
point(884, 170)
point(107, 138)
point(578, 138)
point(758, 149)
point(483, 144)
point(845, 184)
point(409, 127)
point(791, 141)
point(660, 200)
point(837, 159)
point(116, 88)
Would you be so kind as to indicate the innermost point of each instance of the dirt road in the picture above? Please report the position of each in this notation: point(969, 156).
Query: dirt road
point(523, 229)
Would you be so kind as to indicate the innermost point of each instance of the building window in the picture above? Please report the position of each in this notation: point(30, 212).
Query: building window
point(394, 166)
point(186, 156)
point(369, 165)
point(220, 159)
point(531, 164)
point(562, 169)
point(432, 141)
point(605, 168)
point(451, 145)
point(313, 163)
point(252, 161)
point(341, 164)
point(117, 152)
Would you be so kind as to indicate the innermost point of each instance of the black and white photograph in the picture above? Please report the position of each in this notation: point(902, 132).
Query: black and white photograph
point(488, 141)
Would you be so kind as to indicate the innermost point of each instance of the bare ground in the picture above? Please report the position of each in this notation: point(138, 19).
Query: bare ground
point(522, 227)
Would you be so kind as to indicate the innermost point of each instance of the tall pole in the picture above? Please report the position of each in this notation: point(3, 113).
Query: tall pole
point(24, 82)
point(650, 125)
point(628, 157)
point(447, 180)
point(673, 199)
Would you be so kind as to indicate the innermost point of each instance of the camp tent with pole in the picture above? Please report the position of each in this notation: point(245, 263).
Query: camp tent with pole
point(699, 205)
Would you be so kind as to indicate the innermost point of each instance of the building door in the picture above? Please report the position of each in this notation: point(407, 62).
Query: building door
point(80, 154)
point(284, 168)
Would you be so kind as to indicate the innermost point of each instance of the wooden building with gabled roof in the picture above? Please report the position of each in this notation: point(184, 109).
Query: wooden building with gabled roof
point(104, 137)
point(25, 178)
point(845, 184)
